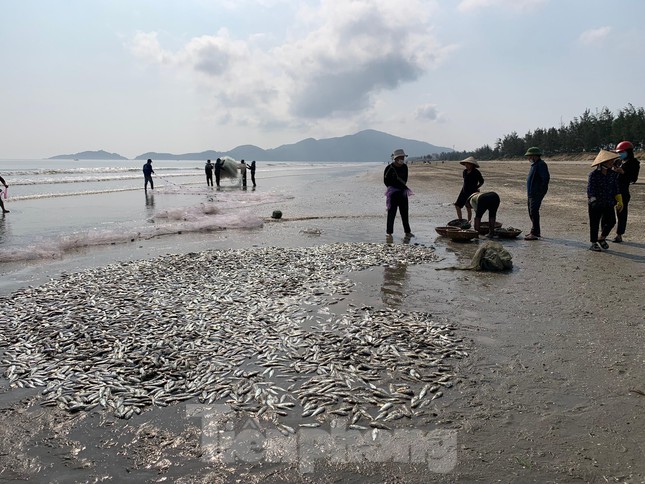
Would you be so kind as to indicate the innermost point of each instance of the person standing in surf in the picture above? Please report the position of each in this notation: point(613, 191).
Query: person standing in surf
point(218, 170)
point(4, 210)
point(147, 175)
point(243, 172)
point(209, 173)
point(395, 178)
point(253, 173)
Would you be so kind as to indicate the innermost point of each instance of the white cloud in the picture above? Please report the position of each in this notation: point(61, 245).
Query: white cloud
point(338, 57)
point(427, 112)
point(519, 5)
point(594, 36)
point(146, 46)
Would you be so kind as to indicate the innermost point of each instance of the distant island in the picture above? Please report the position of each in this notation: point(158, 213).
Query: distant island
point(368, 145)
point(90, 155)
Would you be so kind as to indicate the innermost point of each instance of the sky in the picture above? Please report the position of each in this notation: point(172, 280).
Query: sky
point(183, 76)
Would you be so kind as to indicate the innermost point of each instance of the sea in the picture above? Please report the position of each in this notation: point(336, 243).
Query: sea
point(67, 215)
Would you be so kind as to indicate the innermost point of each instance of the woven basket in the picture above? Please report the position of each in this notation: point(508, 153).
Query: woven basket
point(483, 227)
point(507, 233)
point(443, 230)
point(462, 235)
point(461, 223)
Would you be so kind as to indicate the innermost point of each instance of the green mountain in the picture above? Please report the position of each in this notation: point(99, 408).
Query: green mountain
point(90, 155)
point(368, 145)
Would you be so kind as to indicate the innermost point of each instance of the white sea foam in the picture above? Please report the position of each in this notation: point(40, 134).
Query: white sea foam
point(61, 207)
point(170, 222)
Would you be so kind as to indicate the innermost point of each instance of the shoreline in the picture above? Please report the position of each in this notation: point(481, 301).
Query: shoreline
point(548, 392)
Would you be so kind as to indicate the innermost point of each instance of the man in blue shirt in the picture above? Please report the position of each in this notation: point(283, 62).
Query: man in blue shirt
point(537, 184)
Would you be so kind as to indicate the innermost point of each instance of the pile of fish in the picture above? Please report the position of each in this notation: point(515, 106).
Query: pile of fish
point(251, 328)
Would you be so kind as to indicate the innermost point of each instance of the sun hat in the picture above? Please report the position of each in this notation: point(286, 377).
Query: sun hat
point(474, 199)
point(398, 153)
point(533, 151)
point(603, 156)
point(471, 160)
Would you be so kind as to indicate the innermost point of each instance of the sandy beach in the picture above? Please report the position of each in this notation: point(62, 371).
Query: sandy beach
point(552, 387)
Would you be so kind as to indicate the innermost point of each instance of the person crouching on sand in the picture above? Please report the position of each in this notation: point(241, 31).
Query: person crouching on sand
point(480, 202)
point(603, 193)
point(473, 179)
point(395, 178)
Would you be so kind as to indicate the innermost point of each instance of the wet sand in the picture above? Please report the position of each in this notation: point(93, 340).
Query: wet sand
point(552, 390)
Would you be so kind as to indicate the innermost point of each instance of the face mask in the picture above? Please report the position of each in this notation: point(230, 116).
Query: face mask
point(623, 155)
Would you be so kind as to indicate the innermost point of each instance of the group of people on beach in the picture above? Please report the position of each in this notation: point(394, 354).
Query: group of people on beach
point(607, 192)
point(217, 168)
point(210, 168)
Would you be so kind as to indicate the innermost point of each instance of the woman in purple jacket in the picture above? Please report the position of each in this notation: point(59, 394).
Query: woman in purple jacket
point(603, 193)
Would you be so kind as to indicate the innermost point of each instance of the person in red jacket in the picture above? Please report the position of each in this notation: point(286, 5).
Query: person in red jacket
point(627, 169)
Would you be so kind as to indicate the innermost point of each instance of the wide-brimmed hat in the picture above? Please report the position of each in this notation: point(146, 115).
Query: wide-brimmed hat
point(603, 156)
point(474, 199)
point(471, 160)
point(533, 151)
point(398, 153)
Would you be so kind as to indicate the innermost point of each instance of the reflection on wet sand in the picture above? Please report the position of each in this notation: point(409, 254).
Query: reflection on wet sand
point(150, 200)
point(394, 282)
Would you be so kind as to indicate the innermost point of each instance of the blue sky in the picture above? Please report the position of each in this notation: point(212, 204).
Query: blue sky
point(131, 76)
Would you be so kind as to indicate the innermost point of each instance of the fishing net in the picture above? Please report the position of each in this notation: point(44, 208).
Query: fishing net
point(489, 257)
point(230, 168)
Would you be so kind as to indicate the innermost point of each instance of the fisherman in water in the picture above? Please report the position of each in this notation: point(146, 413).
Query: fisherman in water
point(147, 175)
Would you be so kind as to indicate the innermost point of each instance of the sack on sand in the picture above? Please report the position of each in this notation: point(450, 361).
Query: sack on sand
point(489, 257)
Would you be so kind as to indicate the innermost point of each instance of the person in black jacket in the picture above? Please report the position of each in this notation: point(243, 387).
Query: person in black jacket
point(218, 170)
point(473, 180)
point(395, 178)
point(537, 184)
point(253, 173)
point(627, 169)
point(147, 175)
point(209, 173)
point(603, 194)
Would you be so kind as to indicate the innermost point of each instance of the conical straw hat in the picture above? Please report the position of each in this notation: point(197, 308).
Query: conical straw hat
point(471, 160)
point(603, 156)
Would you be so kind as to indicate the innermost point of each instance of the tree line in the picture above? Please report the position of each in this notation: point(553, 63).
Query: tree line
point(587, 133)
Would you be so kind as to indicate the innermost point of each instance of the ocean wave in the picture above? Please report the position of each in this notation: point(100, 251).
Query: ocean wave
point(173, 223)
point(90, 170)
point(221, 211)
point(48, 180)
